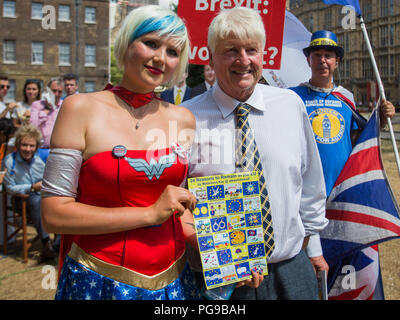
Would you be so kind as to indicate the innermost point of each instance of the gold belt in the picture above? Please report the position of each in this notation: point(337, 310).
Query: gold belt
point(125, 275)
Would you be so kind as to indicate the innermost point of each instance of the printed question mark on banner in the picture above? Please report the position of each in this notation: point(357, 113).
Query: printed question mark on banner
point(273, 54)
point(266, 3)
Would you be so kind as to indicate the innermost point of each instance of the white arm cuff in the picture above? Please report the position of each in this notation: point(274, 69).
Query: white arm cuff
point(61, 174)
point(314, 248)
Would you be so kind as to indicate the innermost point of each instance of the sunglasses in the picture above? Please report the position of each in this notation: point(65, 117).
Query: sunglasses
point(4, 86)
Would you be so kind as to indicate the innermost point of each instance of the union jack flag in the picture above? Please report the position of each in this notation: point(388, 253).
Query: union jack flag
point(357, 277)
point(361, 208)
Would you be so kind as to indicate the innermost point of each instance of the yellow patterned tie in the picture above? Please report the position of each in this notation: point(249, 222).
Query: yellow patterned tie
point(248, 159)
point(178, 98)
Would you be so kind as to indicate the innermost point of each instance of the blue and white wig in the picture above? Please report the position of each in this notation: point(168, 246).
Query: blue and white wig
point(148, 19)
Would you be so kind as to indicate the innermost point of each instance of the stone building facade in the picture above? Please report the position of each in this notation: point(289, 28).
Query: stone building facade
point(41, 39)
point(382, 20)
point(120, 9)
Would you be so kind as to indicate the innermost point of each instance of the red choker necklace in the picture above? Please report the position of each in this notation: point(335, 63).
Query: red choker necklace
point(135, 100)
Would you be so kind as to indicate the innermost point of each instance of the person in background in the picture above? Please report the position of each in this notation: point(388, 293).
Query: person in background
point(6, 109)
point(44, 112)
point(179, 93)
point(70, 84)
point(7, 130)
point(209, 81)
point(31, 93)
point(334, 123)
point(24, 175)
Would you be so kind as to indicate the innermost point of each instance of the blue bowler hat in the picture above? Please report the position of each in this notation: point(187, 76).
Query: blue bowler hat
point(324, 39)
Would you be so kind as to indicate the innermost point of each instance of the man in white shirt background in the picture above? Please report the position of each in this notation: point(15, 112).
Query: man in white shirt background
point(285, 147)
point(5, 109)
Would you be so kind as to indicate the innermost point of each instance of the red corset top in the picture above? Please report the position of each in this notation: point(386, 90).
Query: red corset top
point(135, 180)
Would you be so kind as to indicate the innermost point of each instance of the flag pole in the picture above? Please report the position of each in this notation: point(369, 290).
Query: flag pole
point(381, 89)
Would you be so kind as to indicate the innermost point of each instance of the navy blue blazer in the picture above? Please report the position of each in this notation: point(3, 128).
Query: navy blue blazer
point(199, 89)
point(168, 95)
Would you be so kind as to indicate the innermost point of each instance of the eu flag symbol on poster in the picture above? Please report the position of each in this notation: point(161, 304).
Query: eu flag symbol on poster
point(233, 206)
point(250, 188)
point(215, 192)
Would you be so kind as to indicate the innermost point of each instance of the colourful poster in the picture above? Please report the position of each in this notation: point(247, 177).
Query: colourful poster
point(229, 227)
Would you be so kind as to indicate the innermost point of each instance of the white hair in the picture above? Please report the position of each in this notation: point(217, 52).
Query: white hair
point(153, 18)
point(240, 22)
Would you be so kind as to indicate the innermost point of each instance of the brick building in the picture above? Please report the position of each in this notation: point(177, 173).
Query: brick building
point(42, 39)
point(382, 20)
point(120, 9)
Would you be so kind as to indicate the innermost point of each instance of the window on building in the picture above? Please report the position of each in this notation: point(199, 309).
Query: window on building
point(344, 41)
point(9, 9)
point(311, 22)
point(384, 8)
point(64, 54)
point(383, 34)
point(387, 8)
point(327, 19)
point(367, 69)
point(348, 69)
point(391, 7)
point(384, 65)
point(344, 69)
point(391, 65)
point(391, 34)
point(37, 52)
point(339, 15)
point(90, 55)
point(64, 13)
point(367, 10)
point(9, 52)
point(90, 86)
point(340, 69)
point(90, 15)
point(37, 8)
point(386, 34)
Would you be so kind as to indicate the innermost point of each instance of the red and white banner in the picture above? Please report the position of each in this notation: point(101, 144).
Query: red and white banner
point(198, 15)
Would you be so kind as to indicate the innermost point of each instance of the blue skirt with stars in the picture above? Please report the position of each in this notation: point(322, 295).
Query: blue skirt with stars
point(78, 282)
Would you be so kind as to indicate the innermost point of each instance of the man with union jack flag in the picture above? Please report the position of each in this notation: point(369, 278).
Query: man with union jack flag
point(336, 125)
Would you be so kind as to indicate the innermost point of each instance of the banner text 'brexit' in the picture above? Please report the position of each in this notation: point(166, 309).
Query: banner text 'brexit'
point(216, 5)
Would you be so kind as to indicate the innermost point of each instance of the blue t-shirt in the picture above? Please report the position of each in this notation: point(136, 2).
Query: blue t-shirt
point(332, 121)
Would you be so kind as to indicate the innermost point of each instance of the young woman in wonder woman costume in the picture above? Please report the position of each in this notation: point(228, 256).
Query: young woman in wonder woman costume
point(113, 176)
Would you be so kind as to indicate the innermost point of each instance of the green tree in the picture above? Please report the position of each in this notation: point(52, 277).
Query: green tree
point(116, 73)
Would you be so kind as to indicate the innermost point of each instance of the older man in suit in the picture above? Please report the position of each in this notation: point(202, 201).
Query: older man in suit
point(209, 81)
